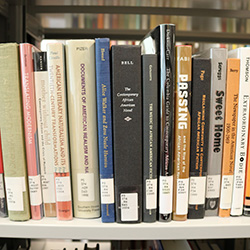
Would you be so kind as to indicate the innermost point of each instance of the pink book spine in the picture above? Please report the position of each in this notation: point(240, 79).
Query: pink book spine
point(30, 126)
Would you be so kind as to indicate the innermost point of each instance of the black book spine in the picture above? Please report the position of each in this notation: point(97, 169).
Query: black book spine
point(127, 132)
point(201, 82)
point(150, 136)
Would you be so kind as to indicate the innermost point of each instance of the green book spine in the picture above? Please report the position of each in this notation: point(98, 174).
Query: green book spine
point(12, 133)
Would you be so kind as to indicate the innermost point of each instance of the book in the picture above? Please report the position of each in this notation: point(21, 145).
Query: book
point(150, 135)
point(182, 131)
point(230, 128)
point(44, 132)
point(161, 41)
point(12, 134)
point(59, 124)
point(127, 131)
point(80, 58)
point(217, 106)
point(3, 201)
point(30, 129)
point(105, 140)
point(200, 113)
point(242, 130)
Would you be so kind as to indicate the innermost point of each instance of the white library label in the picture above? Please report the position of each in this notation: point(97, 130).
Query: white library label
point(48, 187)
point(197, 189)
point(151, 195)
point(86, 187)
point(182, 196)
point(107, 191)
point(166, 194)
point(129, 206)
point(35, 190)
point(213, 186)
point(226, 191)
point(63, 189)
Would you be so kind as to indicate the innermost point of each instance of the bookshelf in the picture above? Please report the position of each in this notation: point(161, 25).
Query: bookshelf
point(21, 17)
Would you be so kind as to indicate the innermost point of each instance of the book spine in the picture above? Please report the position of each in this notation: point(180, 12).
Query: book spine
point(30, 126)
point(242, 133)
point(44, 132)
point(59, 125)
point(182, 132)
point(166, 77)
point(217, 107)
point(230, 128)
point(12, 134)
point(80, 56)
point(127, 132)
point(150, 135)
point(3, 202)
point(105, 140)
point(201, 81)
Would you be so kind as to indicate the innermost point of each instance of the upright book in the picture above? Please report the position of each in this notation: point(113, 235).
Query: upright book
point(182, 131)
point(242, 130)
point(30, 126)
point(217, 106)
point(161, 41)
point(12, 133)
point(150, 135)
point(59, 124)
point(44, 132)
point(105, 141)
point(200, 112)
point(230, 129)
point(127, 132)
point(80, 57)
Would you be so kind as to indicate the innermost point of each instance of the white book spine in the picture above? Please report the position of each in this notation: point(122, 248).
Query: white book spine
point(80, 55)
point(242, 130)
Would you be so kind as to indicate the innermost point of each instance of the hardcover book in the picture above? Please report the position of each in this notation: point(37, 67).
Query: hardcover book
point(12, 133)
point(59, 124)
point(182, 131)
point(161, 41)
point(105, 141)
point(80, 57)
point(200, 112)
point(30, 129)
point(242, 130)
point(127, 132)
point(44, 132)
point(231, 117)
point(150, 135)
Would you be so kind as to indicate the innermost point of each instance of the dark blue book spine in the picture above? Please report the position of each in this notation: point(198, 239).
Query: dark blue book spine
point(104, 116)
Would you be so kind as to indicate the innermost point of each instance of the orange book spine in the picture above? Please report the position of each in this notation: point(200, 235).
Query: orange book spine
point(228, 157)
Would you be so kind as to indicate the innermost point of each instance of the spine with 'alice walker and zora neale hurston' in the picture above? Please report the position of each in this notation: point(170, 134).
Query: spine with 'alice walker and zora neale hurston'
point(161, 41)
point(104, 116)
point(44, 132)
point(200, 107)
point(80, 58)
point(242, 130)
point(182, 131)
point(127, 132)
point(59, 126)
point(12, 133)
point(3, 202)
point(30, 129)
point(150, 136)
point(228, 155)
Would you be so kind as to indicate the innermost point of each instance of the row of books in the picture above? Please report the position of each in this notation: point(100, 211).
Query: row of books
point(154, 121)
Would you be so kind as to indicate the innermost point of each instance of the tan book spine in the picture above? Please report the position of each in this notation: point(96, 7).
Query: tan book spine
point(228, 157)
point(182, 131)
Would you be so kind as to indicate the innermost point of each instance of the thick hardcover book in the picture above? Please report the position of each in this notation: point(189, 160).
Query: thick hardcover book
point(44, 132)
point(182, 131)
point(150, 135)
point(200, 110)
point(30, 129)
point(217, 105)
point(59, 124)
point(242, 130)
point(231, 117)
point(105, 141)
point(80, 57)
point(3, 202)
point(127, 132)
point(12, 133)
point(161, 41)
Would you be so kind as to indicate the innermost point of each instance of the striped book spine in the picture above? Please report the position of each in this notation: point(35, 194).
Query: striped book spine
point(30, 126)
